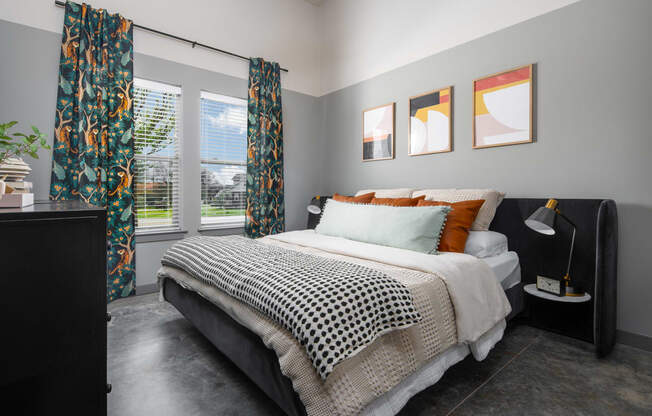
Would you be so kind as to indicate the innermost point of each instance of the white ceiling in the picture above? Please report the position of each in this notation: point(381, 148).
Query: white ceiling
point(326, 48)
point(278, 30)
point(361, 39)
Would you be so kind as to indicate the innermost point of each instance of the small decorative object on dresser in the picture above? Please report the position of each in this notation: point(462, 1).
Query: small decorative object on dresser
point(378, 133)
point(430, 123)
point(502, 108)
point(16, 200)
point(12, 174)
point(14, 191)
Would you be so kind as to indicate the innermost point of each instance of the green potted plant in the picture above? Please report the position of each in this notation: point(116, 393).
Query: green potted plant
point(14, 145)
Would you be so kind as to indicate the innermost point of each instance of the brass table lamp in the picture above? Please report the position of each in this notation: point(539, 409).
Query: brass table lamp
point(542, 221)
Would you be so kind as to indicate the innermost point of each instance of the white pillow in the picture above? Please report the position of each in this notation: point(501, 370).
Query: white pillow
point(388, 193)
point(487, 211)
point(483, 244)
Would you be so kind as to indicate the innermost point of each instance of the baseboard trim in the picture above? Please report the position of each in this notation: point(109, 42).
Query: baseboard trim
point(146, 289)
point(634, 340)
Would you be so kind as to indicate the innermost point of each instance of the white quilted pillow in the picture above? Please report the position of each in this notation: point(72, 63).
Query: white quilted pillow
point(483, 244)
point(388, 193)
point(487, 211)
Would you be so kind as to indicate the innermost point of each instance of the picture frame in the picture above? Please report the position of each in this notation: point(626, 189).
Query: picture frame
point(503, 113)
point(430, 122)
point(379, 132)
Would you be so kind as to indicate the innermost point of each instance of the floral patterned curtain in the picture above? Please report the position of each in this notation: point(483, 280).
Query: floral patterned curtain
point(93, 144)
point(265, 199)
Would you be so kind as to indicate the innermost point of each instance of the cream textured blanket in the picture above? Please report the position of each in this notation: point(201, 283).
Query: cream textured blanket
point(357, 381)
point(478, 299)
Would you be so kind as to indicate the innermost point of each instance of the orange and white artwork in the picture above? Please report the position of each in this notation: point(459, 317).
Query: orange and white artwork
point(430, 123)
point(502, 108)
point(378, 133)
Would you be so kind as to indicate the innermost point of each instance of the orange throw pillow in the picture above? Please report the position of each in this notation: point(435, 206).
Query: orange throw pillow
point(458, 223)
point(398, 202)
point(360, 199)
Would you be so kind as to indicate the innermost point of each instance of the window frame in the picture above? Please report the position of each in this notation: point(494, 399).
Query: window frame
point(172, 231)
point(226, 221)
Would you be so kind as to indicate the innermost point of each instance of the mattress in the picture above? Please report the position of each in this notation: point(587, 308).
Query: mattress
point(506, 267)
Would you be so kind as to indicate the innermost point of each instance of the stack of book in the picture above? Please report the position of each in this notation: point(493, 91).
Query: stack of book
point(16, 200)
point(17, 195)
point(19, 187)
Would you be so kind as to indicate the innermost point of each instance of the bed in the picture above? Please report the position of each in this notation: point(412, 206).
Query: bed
point(271, 361)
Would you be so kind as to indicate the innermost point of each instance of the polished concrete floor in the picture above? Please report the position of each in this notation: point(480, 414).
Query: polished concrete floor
point(160, 365)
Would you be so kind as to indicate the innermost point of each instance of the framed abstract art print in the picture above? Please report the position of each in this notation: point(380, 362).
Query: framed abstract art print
point(430, 123)
point(378, 133)
point(502, 108)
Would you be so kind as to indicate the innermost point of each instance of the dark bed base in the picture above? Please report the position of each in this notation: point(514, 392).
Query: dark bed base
point(248, 351)
point(238, 343)
point(515, 297)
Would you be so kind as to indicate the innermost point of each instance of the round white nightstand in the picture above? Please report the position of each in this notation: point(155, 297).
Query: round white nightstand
point(532, 290)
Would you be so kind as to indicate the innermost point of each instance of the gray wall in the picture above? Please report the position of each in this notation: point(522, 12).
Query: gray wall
point(594, 98)
point(28, 88)
point(594, 138)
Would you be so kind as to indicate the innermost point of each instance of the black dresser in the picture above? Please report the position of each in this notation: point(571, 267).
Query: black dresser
point(53, 309)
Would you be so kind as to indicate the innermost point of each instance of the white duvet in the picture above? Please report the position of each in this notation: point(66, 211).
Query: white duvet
point(478, 299)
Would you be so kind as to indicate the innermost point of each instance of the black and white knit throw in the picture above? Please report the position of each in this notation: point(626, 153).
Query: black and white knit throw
point(332, 307)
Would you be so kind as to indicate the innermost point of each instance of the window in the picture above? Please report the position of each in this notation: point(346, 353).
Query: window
point(157, 129)
point(223, 123)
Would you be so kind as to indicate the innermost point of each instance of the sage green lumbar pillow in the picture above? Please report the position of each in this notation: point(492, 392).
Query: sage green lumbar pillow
point(410, 228)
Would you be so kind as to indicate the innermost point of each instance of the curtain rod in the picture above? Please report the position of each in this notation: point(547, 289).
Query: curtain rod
point(179, 38)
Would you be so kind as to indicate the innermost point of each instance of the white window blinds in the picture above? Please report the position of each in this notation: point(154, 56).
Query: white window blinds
point(157, 130)
point(223, 123)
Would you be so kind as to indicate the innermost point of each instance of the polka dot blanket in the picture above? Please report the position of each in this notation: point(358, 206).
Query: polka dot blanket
point(332, 307)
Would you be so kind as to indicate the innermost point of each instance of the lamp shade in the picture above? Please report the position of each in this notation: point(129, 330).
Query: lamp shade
point(542, 220)
point(315, 206)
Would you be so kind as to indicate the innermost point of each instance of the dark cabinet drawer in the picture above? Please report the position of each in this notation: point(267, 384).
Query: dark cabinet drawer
point(53, 308)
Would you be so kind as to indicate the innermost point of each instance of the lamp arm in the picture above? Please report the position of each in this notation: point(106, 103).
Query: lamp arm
point(565, 218)
point(570, 256)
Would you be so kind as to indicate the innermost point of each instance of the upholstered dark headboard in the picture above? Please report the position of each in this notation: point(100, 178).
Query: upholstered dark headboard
point(593, 267)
